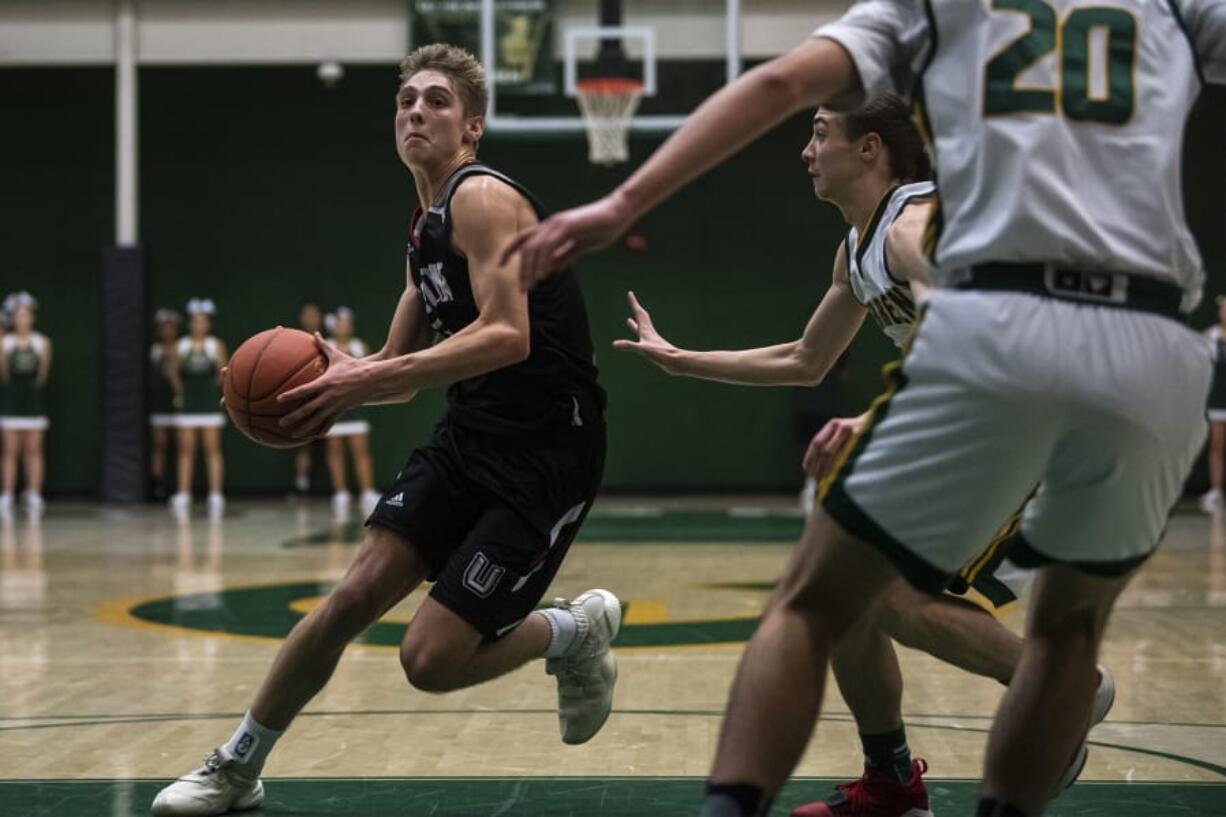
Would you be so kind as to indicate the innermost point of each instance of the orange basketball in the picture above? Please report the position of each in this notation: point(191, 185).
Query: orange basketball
point(267, 364)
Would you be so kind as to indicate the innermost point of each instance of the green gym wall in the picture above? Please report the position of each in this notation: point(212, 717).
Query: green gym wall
point(259, 188)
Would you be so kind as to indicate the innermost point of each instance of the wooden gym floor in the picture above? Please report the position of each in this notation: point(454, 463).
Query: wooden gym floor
point(130, 645)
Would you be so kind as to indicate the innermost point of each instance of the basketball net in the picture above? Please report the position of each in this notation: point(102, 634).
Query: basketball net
point(608, 106)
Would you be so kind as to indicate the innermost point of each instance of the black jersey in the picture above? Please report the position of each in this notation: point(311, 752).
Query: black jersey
point(555, 387)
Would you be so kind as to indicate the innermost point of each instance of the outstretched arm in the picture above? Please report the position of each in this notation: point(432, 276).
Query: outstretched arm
point(818, 71)
point(805, 361)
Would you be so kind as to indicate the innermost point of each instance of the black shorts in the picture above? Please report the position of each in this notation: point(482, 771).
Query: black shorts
point(493, 517)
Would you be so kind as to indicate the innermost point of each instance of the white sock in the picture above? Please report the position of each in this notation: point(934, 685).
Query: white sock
point(251, 743)
point(563, 628)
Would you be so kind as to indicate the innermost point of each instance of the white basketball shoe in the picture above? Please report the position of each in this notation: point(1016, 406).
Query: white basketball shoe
point(341, 501)
point(1104, 698)
point(217, 787)
point(34, 503)
point(588, 672)
point(180, 504)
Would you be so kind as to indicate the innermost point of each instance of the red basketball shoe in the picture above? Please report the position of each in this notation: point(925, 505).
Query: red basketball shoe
point(876, 794)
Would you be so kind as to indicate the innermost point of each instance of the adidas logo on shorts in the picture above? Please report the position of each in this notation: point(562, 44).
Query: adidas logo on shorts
point(396, 501)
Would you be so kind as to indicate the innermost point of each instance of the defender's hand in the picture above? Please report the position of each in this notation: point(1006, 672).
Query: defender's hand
point(824, 448)
point(650, 344)
point(560, 239)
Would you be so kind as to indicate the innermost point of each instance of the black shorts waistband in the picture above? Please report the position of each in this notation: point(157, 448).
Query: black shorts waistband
point(1092, 288)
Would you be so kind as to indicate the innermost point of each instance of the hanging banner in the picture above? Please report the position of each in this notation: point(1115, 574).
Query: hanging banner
point(523, 38)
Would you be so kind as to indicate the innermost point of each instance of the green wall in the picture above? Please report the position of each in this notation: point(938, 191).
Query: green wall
point(260, 188)
point(57, 181)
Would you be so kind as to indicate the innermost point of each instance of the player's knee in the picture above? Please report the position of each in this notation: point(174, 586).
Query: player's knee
point(902, 622)
point(827, 615)
point(1080, 627)
point(428, 670)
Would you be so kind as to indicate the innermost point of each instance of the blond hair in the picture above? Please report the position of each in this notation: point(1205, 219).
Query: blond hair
point(465, 71)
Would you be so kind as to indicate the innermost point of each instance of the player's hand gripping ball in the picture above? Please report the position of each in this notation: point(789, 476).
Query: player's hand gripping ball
point(264, 366)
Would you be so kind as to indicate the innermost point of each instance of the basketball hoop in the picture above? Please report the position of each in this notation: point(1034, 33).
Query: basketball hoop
point(608, 105)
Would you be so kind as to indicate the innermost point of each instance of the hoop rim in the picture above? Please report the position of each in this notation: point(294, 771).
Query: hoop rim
point(602, 86)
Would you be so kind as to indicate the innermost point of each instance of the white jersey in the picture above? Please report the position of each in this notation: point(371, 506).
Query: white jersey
point(355, 347)
point(887, 298)
point(38, 343)
point(1057, 125)
point(209, 347)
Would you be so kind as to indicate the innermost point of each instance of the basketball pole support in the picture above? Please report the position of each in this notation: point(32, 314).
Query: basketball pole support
point(610, 56)
point(124, 302)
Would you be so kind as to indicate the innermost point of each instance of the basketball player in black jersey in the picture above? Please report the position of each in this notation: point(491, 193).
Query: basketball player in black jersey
point(488, 507)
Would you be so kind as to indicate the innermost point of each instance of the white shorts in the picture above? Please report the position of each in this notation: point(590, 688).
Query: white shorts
point(990, 580)
point(24, 423)
point(349, 428)
point(1217, 415)
point(1103, 407)
point(200, 420)
point(162, 420)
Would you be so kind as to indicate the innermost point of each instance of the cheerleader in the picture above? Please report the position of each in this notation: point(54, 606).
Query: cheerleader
point(352, 427)
point(167, 391)
point(25, 363)
point(200, 419)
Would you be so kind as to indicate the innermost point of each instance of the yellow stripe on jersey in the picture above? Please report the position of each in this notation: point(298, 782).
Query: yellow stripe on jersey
point(892, 372)
point(893, 375)
point(971, 570)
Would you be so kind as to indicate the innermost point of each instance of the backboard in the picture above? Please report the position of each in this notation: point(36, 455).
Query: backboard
point(681, 50)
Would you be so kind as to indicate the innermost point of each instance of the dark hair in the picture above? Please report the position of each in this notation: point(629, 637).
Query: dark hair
point(465, 71)
point(890, 118)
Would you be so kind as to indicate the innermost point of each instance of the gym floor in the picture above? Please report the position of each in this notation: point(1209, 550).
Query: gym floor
point(130, 645)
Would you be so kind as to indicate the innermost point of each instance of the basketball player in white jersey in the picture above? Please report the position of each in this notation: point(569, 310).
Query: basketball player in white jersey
point(1054, 343)
point(872, 165)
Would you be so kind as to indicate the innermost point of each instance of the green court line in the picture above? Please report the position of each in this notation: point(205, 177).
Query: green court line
point(1204, 765)
point(564, 797)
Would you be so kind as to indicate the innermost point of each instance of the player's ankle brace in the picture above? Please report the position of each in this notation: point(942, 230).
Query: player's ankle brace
point(989, 807)
point(735, 800)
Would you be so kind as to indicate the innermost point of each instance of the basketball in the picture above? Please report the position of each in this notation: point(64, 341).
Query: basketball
point(264, 366)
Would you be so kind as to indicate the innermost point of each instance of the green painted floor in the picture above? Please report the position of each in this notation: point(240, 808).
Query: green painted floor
point(567, 797)
point(265, 611)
